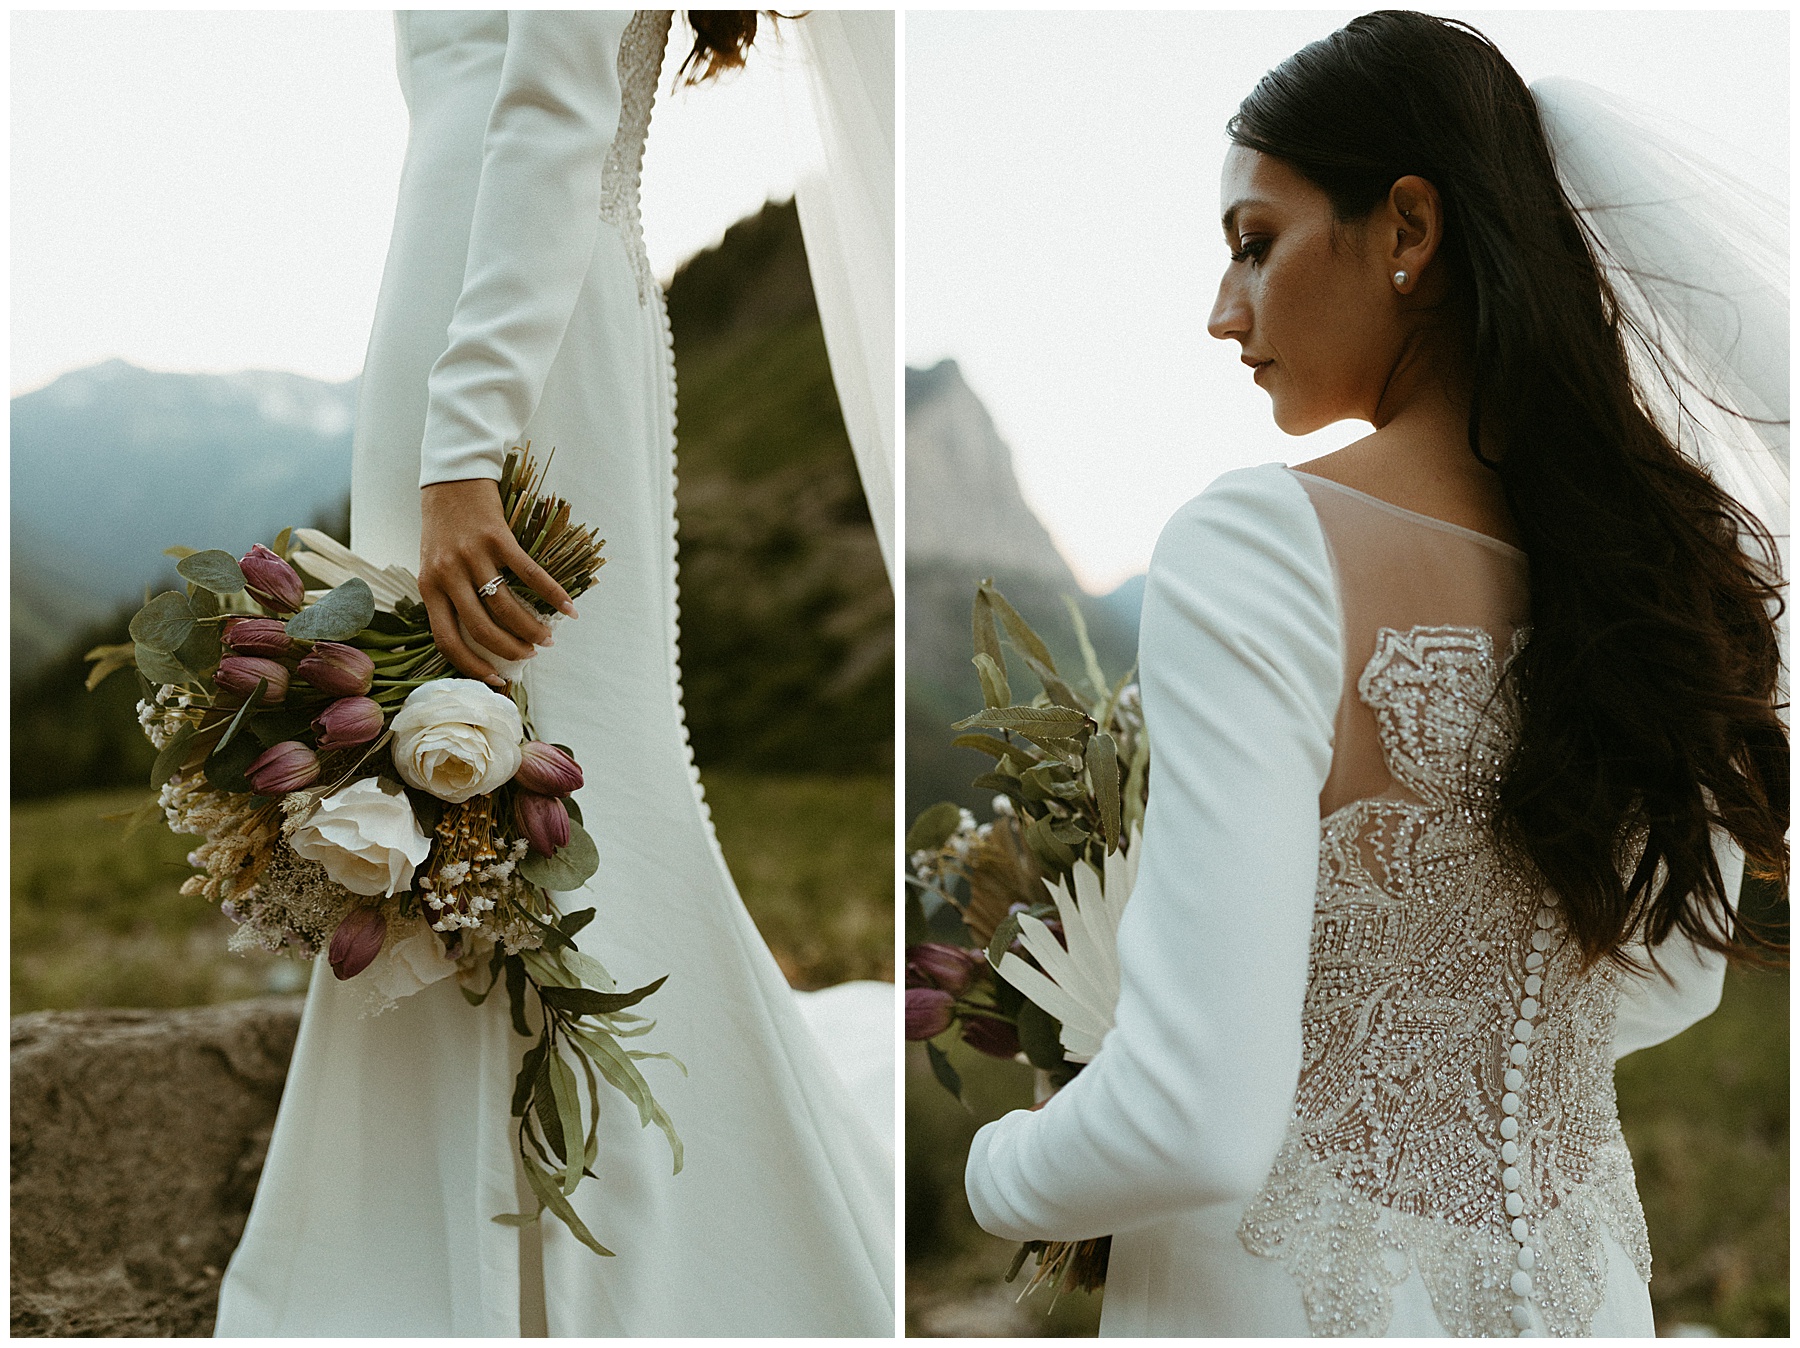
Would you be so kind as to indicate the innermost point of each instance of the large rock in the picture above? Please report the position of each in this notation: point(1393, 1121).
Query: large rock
point(137, 1141)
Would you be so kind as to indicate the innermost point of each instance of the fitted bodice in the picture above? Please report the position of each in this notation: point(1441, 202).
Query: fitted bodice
point(1455, 1110)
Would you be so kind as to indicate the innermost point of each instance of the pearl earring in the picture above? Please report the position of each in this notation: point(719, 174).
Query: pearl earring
point(1400, 280)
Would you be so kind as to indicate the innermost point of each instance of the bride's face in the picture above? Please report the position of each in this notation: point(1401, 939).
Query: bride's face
point(1306, 298)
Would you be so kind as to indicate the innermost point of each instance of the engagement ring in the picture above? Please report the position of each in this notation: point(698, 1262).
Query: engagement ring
point(492, 588)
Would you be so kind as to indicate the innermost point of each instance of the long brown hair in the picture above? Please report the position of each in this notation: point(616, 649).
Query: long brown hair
point(1647, 687)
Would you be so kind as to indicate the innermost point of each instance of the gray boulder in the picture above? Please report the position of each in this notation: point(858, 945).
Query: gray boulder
point(138, 1138)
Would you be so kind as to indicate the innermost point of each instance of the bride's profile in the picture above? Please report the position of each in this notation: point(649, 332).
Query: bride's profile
point(1463, 736)
point(518, 306)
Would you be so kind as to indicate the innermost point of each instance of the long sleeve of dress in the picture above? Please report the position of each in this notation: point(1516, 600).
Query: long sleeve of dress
point(1188, 1099)
point(537, 215)
point(1653, 1008)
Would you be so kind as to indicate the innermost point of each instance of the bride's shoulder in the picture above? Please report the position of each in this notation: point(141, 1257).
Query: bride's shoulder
point(1263, 509)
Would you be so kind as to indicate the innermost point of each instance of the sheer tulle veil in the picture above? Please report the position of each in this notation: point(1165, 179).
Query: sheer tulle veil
point(1699, 261)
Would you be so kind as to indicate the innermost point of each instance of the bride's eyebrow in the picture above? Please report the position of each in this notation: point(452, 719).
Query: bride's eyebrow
point(1229, 219)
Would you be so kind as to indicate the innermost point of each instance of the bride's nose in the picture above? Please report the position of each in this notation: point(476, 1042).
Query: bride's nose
point(1230, 319)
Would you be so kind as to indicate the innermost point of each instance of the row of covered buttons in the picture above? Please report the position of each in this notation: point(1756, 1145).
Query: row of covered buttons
point(1511, 1105)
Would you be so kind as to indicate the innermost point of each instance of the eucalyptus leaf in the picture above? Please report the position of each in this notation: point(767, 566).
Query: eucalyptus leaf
point(986, 634)
point(570, 923)
point(238, 720)
point(1019, 630)
point(109, 660)
point(204, 603)
point(623, 1075)
point(586, 1001)
point(179, 551)
point(987, 744)
point(945, 1073)
point(272, 725)
point(426, 808)
point(549, 1117)
point(515, 993)
point(1004, 935)
point(570, 805)
point(338, 616)
point(1055, 688)
point(1088, 658)
point(572, 866)
point(201, 651)
point(568, 1110)
point(545, 1188)
point(528, 1075)
point(283, 541)
point(1061, 722)
point(995, 690)
point(212, 570)
point(164, 623)
point(932, 829)
point(1103, 780)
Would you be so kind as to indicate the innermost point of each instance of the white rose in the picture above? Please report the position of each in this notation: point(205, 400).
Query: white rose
point(457, 738)
point(366, 838)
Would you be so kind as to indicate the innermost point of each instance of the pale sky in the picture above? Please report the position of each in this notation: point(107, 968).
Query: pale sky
point(1062, 237)
point(214, 190)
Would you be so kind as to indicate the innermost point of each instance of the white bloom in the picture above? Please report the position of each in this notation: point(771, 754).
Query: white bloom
point(1081, 988)
point(366, 839)
point(457, 738)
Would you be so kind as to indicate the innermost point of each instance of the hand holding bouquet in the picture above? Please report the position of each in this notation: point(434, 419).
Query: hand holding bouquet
point(1027, 907)
point(356, 799)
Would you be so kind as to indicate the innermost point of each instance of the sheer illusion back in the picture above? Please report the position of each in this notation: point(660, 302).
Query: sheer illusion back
point(1455, 1114)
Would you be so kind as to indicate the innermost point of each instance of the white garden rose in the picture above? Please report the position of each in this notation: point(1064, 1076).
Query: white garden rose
point(365, 837)
point(457, 738)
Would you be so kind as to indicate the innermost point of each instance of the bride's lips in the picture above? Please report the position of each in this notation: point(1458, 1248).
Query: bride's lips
point(1256, 367)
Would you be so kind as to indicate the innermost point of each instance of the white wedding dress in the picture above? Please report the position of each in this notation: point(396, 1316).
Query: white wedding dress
point(518, 304)
point(1335, 994)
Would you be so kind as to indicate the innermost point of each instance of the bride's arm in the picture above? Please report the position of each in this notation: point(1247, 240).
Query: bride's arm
point(1653, 1008)
point(1188, 1099)
point(536, 220)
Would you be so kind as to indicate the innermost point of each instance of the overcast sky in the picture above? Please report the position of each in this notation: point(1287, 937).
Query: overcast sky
point(1062, 237)
point(214, 191)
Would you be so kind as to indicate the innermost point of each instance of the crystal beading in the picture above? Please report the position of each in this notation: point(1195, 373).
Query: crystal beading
point(1441, 991)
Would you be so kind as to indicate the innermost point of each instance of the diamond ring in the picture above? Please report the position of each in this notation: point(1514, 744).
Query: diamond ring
point(492, 588)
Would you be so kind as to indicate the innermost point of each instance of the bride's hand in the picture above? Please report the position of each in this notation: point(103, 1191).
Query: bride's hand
point(464, 543)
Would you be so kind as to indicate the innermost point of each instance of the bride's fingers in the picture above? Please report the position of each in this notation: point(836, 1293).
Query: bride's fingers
point(448, 636)
point(480, 625)
point(517, 617)
point(519, 562)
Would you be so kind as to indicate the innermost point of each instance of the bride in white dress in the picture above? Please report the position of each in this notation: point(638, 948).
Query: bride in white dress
point(1441, 722)
point(518, 305)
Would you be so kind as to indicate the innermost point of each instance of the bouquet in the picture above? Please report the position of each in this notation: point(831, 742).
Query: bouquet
point(356, 799)
point(1026, 908)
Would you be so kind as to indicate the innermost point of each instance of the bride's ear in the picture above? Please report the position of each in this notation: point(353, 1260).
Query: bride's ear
point(1411, 228)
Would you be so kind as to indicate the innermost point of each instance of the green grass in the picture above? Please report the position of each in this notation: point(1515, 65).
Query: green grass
point(1706, 1115)
point(97, 921)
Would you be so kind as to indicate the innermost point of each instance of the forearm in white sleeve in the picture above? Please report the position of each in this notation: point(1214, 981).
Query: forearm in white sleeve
point(1189, 1097)
point(1653, 1008)
point(537, 216)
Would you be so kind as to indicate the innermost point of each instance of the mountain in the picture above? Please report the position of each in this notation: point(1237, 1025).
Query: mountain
point(967, 520)
point(787, 617)
point(112, 464)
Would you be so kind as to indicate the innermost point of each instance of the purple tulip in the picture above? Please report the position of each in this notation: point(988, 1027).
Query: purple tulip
point(545, 820)
point(547, 770)
point(258, 636)
point(993, 1037)
point(272, 581)
point(357, 941)
point(927, 1012)
point(239, 674)
point(950, 967)
point(282, 768)
point(337, 669)
point(347, 722)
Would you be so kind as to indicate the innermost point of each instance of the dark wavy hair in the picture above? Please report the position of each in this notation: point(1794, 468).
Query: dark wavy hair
point(722, 41)
point(1647, 687)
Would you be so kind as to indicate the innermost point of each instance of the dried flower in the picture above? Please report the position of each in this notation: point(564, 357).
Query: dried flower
point(927, 1012)
point(357, 941)
point(258, 636)
point(282, 768)
point(931, 964)
point(240, 674)
point(545, 820)
point(337, 669)
point(347, 722)
point(272, 581)
point(985, 1034)
point(547, 770)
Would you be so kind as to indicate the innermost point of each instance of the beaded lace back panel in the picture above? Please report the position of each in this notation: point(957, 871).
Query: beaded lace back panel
point(1427, 1135)
point(640, 64)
